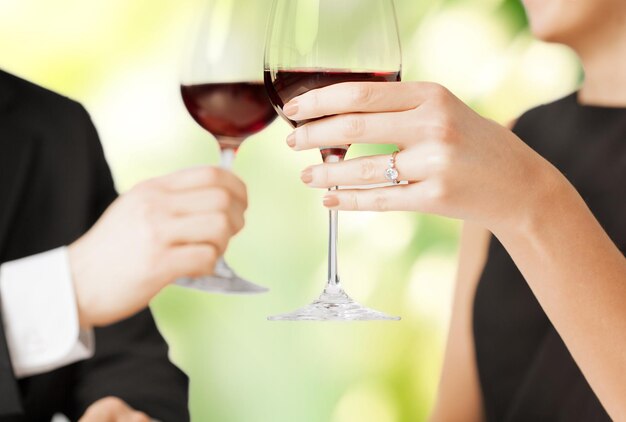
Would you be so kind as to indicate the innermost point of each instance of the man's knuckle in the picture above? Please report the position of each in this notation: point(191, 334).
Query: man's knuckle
point(154, 234)
point(139, 417)
point(209, 175)
point(222, 225)
point(145, 209)
point(222, 199)
point(207, 256)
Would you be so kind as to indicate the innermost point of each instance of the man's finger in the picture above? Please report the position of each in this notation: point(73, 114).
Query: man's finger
point(203, 201)
point(213, 228)
point(190, 261)
point(201, 178)
point(133, 416)
point(105, 409)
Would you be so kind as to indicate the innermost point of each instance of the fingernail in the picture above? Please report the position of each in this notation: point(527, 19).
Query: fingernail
point(291, 108)
point(307, 175)
point(330, 201)
point(291, 139)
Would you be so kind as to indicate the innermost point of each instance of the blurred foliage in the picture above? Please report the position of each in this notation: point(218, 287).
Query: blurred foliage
point(121, 59)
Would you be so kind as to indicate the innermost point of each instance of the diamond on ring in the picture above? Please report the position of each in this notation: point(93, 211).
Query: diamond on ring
point(391, 173)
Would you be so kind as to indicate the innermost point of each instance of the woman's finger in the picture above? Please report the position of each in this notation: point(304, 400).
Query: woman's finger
point(389, 198)
point(363, 171)
point(351, 97)
point(357, 128)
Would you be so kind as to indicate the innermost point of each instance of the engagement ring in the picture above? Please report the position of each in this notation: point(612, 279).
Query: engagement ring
point(391, 173)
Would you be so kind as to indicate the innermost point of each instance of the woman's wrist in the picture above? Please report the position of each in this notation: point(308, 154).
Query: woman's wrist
point(546, 198)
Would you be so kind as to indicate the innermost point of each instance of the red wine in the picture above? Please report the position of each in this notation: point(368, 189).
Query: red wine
point(229, 110)
point(283, 85)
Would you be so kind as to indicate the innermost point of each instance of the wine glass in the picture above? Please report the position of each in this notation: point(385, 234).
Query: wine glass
point(315, 43)
point(222, 88)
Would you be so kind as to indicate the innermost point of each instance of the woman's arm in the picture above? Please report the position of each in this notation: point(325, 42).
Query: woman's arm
point(461, 165)
point(579, 277)
point(459, 396)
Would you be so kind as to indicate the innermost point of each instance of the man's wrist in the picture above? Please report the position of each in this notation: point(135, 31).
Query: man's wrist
point(39, 313)
point(76, 263)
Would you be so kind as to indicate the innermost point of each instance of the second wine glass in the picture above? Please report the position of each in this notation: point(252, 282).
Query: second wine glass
point(222, 88)
point(312, 44)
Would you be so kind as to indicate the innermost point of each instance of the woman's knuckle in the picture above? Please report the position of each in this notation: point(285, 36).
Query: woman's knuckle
point(361, 94)
point(353, 126)
point(381, 202)
point(353, 201)
point(438, 92)
point(312, 100)
point(322, 174)
point(440, 162)
point(303, 135)
point(368, 169)
point(438, 192)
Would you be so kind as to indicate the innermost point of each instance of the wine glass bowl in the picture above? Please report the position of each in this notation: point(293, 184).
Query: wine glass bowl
point(313, 44)
point(222, 89)
point(230, 111)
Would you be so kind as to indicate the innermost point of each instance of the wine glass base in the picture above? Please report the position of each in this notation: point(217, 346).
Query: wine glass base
point(223, 281)
point(334, 306)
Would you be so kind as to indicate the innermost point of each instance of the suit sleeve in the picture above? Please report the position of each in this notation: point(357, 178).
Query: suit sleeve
point(131, 358)
point(10, 402)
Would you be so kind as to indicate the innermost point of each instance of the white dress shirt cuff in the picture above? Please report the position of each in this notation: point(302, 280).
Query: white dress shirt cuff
point(40, 316)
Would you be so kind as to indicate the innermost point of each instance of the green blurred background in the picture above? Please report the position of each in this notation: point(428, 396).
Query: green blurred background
point(121, 58)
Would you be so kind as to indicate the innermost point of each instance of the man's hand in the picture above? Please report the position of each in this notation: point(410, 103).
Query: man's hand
point(112, 409)
point(165, 228)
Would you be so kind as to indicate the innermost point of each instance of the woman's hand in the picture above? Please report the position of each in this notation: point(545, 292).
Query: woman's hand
point(165, 228)
point(457, 163)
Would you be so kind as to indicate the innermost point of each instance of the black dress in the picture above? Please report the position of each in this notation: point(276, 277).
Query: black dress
point(526, 372)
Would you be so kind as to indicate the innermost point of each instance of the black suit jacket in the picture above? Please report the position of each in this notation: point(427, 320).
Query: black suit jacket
point(54, 184)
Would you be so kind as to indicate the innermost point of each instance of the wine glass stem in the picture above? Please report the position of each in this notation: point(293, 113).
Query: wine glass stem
point(227, 156)
point(333, 285)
